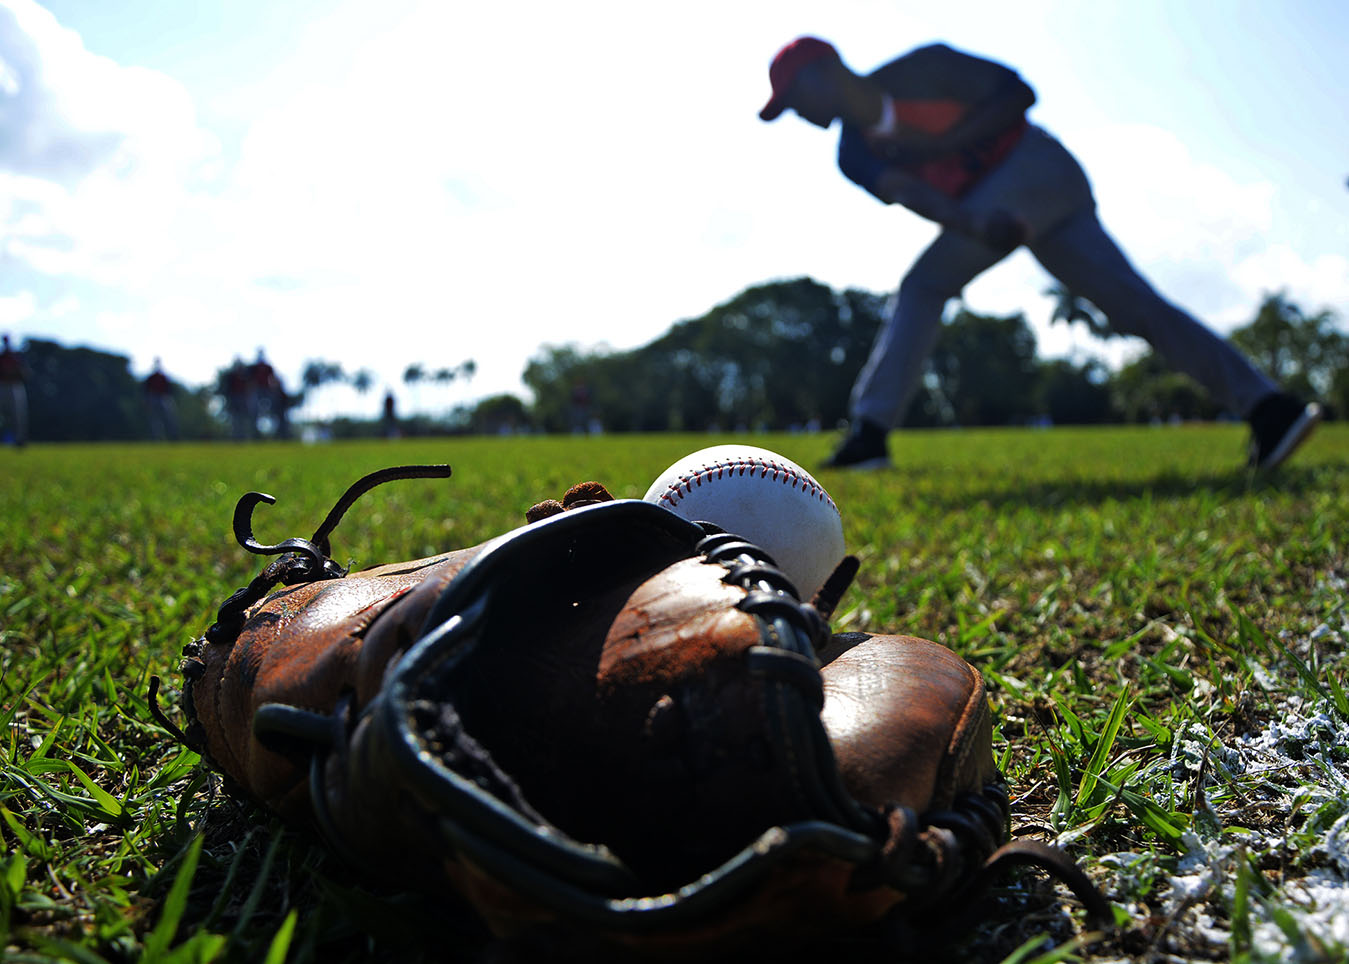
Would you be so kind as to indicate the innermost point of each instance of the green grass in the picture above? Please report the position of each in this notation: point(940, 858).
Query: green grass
point(1153, 624)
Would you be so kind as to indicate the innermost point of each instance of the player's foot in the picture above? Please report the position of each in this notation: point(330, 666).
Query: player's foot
point(862, 448)
point(1279, 424)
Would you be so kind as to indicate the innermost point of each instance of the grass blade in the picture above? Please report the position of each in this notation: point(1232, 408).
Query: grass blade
point(1104, 744)
point(1241, 908)
point(276, 953)
point(104, 799)
point(158, 940)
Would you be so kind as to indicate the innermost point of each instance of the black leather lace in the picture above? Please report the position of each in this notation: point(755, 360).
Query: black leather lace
point(302, 560)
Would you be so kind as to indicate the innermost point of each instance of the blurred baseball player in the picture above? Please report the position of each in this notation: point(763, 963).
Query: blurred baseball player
point(945, 134)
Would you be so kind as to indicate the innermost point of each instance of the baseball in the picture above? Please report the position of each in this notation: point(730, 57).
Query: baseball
point(766, 498)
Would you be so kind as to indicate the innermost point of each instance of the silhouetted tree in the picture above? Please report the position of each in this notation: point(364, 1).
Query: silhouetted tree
point(81, 393)
point(1148, 390)
point(1304, 353)
point(495, 414)
point(1074, 395)
point(985, 368)
point(1070, 308)
point(776, 355)
point(317, 374)
point(84, 394)
point(362, 380)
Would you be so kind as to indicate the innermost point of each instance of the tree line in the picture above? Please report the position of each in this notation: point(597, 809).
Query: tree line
point(778, 356)
point(784, 355)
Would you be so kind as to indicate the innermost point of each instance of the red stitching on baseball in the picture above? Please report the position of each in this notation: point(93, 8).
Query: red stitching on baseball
point(685, 484)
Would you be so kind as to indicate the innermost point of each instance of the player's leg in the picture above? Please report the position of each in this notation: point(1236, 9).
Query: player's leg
point(20, 415)
point(894, 368)
point(1040, 183)
point(6, 413)
point(1082, 256)
point(1085, 259)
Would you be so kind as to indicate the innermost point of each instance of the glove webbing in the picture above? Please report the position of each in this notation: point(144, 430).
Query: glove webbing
point(793, 631)
point(933, 864)
point(929, 856)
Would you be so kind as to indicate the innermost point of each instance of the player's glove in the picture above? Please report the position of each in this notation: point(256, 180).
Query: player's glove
point(608, 724)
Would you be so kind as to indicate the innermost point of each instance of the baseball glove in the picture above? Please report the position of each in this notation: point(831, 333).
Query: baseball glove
point(610, 724)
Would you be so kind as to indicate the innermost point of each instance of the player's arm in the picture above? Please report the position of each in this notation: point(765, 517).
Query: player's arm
point(894, 185)
point(997, 229)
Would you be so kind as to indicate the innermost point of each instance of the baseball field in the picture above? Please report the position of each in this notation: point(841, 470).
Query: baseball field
point(1163, 638)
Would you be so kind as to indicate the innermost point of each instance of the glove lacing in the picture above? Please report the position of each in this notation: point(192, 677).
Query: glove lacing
point(302, 561)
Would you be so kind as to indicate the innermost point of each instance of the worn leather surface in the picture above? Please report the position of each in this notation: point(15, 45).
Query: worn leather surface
point(689, 728)
point(909, 722)
point(304, 646)
point(674, 626)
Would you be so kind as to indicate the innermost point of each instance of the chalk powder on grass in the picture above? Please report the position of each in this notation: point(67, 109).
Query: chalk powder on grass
point(1299, 761)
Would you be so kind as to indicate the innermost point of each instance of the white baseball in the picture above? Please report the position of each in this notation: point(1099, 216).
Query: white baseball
point(766, 498)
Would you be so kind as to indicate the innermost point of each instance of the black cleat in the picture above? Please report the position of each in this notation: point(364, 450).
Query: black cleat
point(862, 448)
point(1279, 424)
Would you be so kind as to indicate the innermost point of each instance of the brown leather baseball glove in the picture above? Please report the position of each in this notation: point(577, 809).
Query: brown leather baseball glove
point(608, 724)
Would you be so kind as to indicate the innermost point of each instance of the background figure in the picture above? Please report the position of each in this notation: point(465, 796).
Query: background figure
point(257, 391)
point(13, 395)
point(235, 389)
point(945, 134)
point(580, 407)
point(159, 402)
point(389, 422)
point(267, 398)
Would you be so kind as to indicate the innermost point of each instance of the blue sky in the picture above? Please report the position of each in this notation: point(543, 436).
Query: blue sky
point(379, 182)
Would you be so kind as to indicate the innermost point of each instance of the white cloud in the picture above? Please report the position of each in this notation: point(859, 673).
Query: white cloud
point(16, 309)
point(1182, 220)
point(95, 157)
point(69, 112)
point(1315, 283)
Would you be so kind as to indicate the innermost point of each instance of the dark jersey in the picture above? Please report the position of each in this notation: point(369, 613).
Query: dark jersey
point(933, 89)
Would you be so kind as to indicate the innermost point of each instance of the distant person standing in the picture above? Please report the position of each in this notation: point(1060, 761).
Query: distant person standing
point(13, 395)
point(259, 390)
point(945, 134)
point(580, 408)
point(390, 419)
point(160, 404)
point(268, 397)
point(235, 388)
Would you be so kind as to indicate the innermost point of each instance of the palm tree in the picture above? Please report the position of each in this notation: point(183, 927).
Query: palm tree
point(318, 373)
point(362, 380)
point(445, 377)
point(413, 376)
point(1069, 308)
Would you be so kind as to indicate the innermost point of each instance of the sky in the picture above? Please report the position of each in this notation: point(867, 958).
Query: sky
point(383, 182)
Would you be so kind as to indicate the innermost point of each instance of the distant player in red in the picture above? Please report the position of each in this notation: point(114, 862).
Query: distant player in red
point(159, 402)
point(390, 418)
point(13, 395)
point(235, 387)
point(945, 134)
point(267, 396)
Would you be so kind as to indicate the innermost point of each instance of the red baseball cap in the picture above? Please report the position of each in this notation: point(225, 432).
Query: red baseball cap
point(786, 65)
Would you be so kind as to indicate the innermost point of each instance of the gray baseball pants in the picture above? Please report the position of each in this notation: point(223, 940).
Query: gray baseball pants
point(14, 411)
point(1040, 182)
